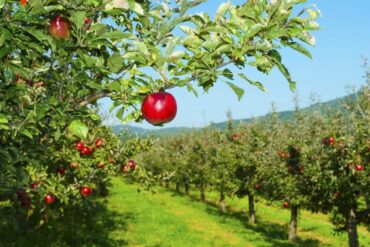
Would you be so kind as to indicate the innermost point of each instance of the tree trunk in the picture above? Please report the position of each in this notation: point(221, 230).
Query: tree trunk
point(222, 202)
point(187, 188)
point(352, 229)
point(202, 193)
point(177, 187)
point(167, 184)
point(293, 224)
point(252, 214)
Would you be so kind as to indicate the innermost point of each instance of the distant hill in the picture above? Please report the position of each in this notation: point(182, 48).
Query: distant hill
point(332, 105)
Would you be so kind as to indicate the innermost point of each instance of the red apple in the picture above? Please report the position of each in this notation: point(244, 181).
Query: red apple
point(85, 151)
point(85, 191)
point(91, 150)
point(159, 108)
point(79, 145)
point(59, 28)
point(331, 140)
point(99, 143)
point(49, 199)
point(21, 194)
point(61, 171)
point(101, 165)
point(110, 160)
point(73, 165)
point(286, 204)
point(359, 167)
point(125, 168)
point(26, 202)
point(131, 164)
point(23, 2)
point(87, 23)
point(257, 186)
point(301, 170)
point(35, 185)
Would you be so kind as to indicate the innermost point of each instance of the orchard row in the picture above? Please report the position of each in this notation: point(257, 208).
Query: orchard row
point(317, 162)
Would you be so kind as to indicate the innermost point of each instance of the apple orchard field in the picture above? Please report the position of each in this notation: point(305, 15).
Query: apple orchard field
point(66, 179)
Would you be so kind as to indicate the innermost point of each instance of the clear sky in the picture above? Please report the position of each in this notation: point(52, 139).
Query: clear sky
point(342, 44)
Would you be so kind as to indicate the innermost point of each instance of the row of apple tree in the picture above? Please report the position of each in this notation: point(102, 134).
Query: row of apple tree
point(317, 161)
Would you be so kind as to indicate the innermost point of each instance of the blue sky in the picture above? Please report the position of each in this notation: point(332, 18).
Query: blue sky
point(342, 43)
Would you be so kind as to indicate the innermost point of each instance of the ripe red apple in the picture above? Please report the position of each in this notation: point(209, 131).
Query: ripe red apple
point(301, 170)
point(87, 23)
point(21, 194)
point(91, 150)
point(85, 151)
point(85, 191)
point(26, 202)
point(79, 145)
point(286, 204)
point(159, 108)
point(61, 171)
point(49, 199)
point(101, 165)
point(331, 140)
point(359, 167)
point(131, 164)
point(257, 186)
point(125, 168)
point(59, 28)
point(35, 185)
point(73, 165)
point(99, 143)
point(23, 2)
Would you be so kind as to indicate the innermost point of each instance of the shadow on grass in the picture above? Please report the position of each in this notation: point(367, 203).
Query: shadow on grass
point(78, 227)
point(273, 233)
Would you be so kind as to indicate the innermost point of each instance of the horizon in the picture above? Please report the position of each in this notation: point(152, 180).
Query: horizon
point(335, 69)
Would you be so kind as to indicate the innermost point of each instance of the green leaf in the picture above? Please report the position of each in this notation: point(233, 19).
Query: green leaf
point(171, 45)
point(136, 8)
point(78, 18)
point(115, 63)
point(27, 133)
point(78, 129)
point(237, 90)
point(298, 47)
point(254, 83)
point(222, 9)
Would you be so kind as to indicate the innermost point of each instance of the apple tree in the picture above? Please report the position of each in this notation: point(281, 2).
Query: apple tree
point(58, 58)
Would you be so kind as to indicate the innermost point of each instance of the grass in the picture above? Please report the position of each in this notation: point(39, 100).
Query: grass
point(168, 218)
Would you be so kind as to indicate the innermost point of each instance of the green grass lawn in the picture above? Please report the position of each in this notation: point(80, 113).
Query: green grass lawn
point(168, 218)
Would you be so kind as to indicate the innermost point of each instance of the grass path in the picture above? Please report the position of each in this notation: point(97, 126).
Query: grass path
point(171, 219)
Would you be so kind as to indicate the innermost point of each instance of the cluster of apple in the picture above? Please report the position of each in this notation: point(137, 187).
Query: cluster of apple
point(329, 141)
point(130, 166)
point(85, 150)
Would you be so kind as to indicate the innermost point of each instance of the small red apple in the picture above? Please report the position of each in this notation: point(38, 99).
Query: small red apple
point(87, 23)
point(301, 170)
point(131, 164)
point(61, 171)
point(359, 167)
point(286, 204)
point(159, 108)
point(21, 194)
point(99, 143)
point(59, 28)
point(125, 168)
point(101, 165)
point(331, 140)
point(49, 199)
point(85, 151)
point(79, 145)
point(35, 185)
point(23, 2)
point(91, 150)
point(257, 186)
point(85, 191)
point(26, 202)
point(73, 165)
point(110, 160)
